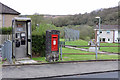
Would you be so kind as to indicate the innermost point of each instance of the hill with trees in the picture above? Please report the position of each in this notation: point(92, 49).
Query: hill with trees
point(85, 23)
point(108, 16)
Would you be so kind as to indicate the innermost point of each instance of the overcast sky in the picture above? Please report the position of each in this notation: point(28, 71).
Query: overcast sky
point(58, 7)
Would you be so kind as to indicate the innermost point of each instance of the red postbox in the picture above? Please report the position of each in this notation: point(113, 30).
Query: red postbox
point(54, 42)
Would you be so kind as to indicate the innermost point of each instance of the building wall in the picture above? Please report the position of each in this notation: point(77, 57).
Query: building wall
point(0, 20)
point(106, 36)
point(116, 36)
point(7, 20)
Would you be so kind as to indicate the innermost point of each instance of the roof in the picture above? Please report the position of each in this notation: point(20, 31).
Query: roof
point(7, 10)
point(108, 27)
point(22, 19)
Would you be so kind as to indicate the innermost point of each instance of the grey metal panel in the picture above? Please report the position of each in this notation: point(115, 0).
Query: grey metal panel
point(7, 51)
point(21, 52)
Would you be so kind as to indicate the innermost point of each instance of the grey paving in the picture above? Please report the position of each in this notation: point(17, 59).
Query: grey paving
point(32, 71)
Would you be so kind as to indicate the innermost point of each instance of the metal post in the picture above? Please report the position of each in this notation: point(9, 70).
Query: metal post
point(61, 51)
point(96, 51)
point(99, 35)
point(2, 51)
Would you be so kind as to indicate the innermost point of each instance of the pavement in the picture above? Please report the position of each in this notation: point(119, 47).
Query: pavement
point(91, 49)
point(48, 70)
point(29, 61)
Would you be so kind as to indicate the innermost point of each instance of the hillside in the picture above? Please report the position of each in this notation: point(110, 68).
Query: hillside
point(108, 16)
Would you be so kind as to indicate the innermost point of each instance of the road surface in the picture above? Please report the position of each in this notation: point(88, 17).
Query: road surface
point(48, 70)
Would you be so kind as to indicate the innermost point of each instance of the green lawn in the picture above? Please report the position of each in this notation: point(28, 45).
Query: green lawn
point(78, 42)
point(109, 49)
point(62, 40)
point(85, 43)
point(80, 57)
point(42, 59)
point(88, 57)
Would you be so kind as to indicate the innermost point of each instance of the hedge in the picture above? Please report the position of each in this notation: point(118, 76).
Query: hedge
point(39, 37)
point(38, 45)
point(6, 30)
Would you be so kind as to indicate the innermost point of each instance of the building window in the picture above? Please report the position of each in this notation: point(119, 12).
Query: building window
point(108, 32)
point(108, 39)
point(100, 40)
point(103, 39)
point(100, 31)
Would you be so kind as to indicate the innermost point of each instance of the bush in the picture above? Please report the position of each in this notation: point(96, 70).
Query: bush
point(38, 38)
point(6, 30)
point(38, 44)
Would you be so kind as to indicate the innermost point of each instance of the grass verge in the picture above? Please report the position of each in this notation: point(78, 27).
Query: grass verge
point(80, 57)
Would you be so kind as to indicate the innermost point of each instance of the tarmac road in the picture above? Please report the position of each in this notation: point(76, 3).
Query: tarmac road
point(96, 75)
point(47, 70)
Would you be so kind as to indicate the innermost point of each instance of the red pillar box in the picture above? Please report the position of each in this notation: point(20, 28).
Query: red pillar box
point(52, 45)
point(54, 42)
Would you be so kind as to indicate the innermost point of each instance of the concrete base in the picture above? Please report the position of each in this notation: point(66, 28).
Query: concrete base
point(25, 62)
point(92, 49)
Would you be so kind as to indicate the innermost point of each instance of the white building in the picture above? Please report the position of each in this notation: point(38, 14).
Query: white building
point(108, 34)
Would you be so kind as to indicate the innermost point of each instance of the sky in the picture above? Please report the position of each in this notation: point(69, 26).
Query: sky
point(58, 7)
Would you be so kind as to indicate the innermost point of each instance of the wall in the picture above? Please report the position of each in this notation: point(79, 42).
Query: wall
point(116, 36)
point(0, 20)
point(8, 20)
point(107, 36)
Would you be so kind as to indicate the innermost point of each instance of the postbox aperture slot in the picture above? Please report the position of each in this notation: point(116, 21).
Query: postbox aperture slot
point(54, 37)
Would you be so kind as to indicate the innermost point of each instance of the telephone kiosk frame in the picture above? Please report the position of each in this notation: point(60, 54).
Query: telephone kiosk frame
point(21, 38)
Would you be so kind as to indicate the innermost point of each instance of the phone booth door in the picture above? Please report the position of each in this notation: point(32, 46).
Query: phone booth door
point(20, 40)
point(54, 42)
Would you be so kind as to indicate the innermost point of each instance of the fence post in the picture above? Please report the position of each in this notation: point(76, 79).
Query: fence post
point(61, 51)
point(96, 50)
point(5, 49)
point(10, 52)
point(2, 51)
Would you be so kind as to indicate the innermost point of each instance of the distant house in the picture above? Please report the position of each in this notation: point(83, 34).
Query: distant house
point(6, 15)
point(108, 33)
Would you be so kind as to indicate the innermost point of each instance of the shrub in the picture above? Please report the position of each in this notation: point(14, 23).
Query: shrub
point(39, 37)
point(38, 44)
point(6, 30)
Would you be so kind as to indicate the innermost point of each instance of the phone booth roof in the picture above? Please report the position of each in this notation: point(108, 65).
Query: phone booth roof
point(22, 19)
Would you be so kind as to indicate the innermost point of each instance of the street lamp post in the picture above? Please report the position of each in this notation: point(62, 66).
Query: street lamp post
point(99, 31)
